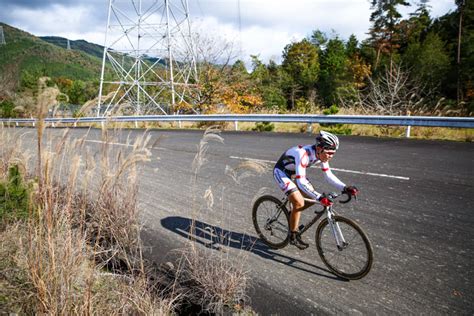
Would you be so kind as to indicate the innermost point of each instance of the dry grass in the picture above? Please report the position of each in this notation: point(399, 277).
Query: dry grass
point(80, 251)
point(213, 279)
point(211, 276)
point(54, 273)
point(11, 151)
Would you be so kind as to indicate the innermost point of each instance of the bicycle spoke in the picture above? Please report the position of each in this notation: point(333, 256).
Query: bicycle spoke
point(271, 221)
point(353, 258)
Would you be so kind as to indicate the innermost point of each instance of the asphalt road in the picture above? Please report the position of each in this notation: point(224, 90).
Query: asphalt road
point(415, 205)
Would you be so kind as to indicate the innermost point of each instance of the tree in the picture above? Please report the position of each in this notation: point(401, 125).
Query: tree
point(384, 32)
point(416, 27)
point(319, 39)
point(239, 67)
point(334, 70)
point(461, 4)
point(459, 43)
point(429, 62)
point(260, 73)
point(352, 48)
point(267, 81)
point(391, 93)
point(301, 62)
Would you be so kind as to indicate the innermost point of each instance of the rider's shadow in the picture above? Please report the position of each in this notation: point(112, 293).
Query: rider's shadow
point(216, 238)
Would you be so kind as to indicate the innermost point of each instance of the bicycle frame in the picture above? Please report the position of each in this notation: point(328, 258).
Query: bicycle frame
point(336, 230)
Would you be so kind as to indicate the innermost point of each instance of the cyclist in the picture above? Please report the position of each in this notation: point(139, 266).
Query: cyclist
point(290, 174)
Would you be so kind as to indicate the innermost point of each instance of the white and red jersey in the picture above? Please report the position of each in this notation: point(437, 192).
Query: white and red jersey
point(292, 165)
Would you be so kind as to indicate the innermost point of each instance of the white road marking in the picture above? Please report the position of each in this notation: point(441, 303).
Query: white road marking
point(273, 162)
point(102, 142)
point(336, 169)
point(118, 144)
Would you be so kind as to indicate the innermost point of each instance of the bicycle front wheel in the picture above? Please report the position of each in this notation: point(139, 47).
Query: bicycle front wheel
point(271, 220)
point(353, 258)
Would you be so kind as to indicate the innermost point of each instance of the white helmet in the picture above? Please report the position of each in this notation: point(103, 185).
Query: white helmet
point(327, 140)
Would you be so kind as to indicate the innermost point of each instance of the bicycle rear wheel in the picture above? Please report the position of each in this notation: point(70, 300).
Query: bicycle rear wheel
point(351, 261)
point(271, 221)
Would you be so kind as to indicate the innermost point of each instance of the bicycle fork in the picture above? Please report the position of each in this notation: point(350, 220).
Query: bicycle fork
point(336, 231)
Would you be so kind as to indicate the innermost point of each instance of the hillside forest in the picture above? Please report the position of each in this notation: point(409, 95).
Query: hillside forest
point(414, 64)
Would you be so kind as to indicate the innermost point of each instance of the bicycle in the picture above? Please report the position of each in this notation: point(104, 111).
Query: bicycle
point(271, 219)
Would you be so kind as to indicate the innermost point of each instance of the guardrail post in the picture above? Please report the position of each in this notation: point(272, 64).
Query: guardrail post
point(236, 125)
point(179, 124)
point(102, 124)
point(309, 128)
point(75, 124)
point(407, 133)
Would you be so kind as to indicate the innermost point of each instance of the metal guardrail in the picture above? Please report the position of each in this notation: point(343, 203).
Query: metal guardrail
point(435, 121)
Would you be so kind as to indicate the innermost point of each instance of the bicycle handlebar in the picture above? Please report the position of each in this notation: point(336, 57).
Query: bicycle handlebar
point(349, 197)
point(333, 196)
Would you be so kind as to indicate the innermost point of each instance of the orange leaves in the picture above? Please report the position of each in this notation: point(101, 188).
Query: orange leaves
point(240, 103)
point(228, 90)
point(360, 71)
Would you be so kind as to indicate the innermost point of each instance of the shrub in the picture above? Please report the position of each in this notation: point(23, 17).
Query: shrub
point(340, 129)
point(335, 128)
point(29, 80)
point(7, 109)
point(333, 109)
point(264, 127)
point(14, 196)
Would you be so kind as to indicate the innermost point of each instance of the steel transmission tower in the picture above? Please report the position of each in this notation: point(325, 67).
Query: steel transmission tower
point(2, 36)
point(149, 60)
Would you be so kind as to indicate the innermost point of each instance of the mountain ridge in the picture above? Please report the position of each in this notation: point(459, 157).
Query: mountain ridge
point(26, 52)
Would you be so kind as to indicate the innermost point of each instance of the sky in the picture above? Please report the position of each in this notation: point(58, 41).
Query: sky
point(254, 27)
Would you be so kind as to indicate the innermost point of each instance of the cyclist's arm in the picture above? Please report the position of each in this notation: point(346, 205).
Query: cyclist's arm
point(331, 177)
point(301, 163)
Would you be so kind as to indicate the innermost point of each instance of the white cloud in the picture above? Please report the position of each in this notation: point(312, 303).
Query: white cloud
point(265, 27)
point(268, 26)
point(58, 20)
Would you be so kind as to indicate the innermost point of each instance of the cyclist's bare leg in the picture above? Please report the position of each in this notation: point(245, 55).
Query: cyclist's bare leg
point(298, 204)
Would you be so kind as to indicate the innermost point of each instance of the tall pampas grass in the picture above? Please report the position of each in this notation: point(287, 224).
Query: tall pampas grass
point(212, 277)
point(80, 251)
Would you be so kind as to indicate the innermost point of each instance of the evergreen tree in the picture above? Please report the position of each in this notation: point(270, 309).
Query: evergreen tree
point(318, 39)
point(352, 46)
point(429, 63)
point(417, 26)
point(384, 32)
point(301, 63)
point(334, 70)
